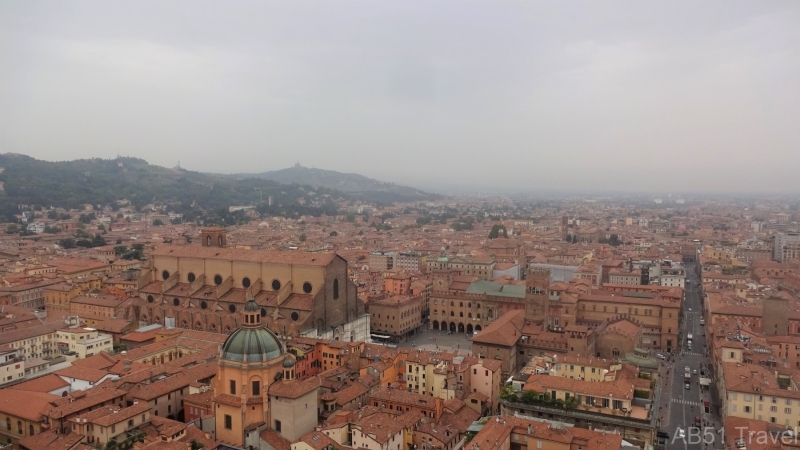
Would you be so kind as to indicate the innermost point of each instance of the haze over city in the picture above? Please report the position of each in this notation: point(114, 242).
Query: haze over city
point(670, 97)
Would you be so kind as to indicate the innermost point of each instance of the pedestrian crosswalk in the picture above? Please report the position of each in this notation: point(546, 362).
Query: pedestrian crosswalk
point(692, 354)
point(686, 402)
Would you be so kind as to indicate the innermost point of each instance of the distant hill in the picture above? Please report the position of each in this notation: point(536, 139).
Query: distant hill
point(72, 184)
point(349, 183)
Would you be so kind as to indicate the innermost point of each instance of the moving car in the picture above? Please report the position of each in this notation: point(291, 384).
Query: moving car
point(681, 433)
point(688, 386)
point(694, 371)
point(660, 356)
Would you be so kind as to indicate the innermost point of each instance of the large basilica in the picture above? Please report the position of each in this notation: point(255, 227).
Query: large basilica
point(206, 287)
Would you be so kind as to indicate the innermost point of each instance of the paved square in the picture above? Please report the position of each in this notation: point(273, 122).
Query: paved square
point(434, 340)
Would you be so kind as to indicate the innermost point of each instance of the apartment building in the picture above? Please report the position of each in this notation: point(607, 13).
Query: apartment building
point(38, 341)
point(83, 342)
point(622, 276)
point(606, 405)
point(109, 423)
point(751, 391)
point(781, 241)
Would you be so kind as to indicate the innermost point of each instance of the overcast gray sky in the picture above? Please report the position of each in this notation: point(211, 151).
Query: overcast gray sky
point(558, 95)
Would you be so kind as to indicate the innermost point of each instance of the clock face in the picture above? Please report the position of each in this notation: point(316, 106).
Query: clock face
point(440, 283)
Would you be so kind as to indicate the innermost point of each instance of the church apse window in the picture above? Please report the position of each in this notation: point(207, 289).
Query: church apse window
point(217, 279)
point(203, 305)
point(176, 301)
point(150, 299)
point(165, 274)
point(276, 285)
point(263, 312)
point(232, 308)
point(295, 316)
point(190, 277)
point(335, 289)
point(307, 287)
point(246, 282)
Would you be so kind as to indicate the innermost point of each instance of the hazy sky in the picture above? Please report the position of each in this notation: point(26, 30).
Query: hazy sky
point(643, 95)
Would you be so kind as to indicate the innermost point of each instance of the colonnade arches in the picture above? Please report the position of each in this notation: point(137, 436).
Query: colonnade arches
point(455, 327)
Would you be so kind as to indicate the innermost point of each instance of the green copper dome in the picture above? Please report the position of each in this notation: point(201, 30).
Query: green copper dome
point(252, 344)
point(288, 363)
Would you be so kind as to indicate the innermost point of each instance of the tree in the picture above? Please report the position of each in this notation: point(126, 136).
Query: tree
point(495, 233)
point(333, 234)
point(101, 227)
point(52, 214)
point(614, 240)
point(351, 217)
point(158, 223)
point(13, 228)
point(51, 230)
point(120, 249)
point(67, 243)
point(302, 237)
point(98, 241)
point(138, 247)
point(529, 396)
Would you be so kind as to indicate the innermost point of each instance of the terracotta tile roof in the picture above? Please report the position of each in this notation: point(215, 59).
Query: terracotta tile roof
point(108, 301)
point(492, 435)
point(235, 254)
point(293, 389)
point(623, 328)
point(318, 440)
point(82, 373)
point(51, 440)
point(26, 404)
point(274, 439)
point(381, 426)
point(46, 383)
point(194, 434)
point(505, 330)
point(202, 399)
point(83, 400)
point(160, 388)
point(113, 325)
point(228, 399)
point(404, 397)
point(619, 388)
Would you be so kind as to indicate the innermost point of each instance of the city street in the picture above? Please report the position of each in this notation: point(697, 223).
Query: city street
point(679, 407)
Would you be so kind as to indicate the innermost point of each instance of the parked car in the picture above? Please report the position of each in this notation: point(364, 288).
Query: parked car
point(660, 356)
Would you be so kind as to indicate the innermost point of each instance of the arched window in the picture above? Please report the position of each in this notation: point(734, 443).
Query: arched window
point(208, 241)
point(335, 289)
point(219, 241)
point(614, 351)
point(19, 427)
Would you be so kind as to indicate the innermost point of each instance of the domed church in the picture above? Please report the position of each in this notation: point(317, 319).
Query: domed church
point(252, 360)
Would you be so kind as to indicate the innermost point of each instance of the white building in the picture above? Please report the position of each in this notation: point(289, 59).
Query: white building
point(36, 227)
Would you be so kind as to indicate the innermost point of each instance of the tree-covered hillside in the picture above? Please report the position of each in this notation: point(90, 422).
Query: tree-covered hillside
point(72, 184)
